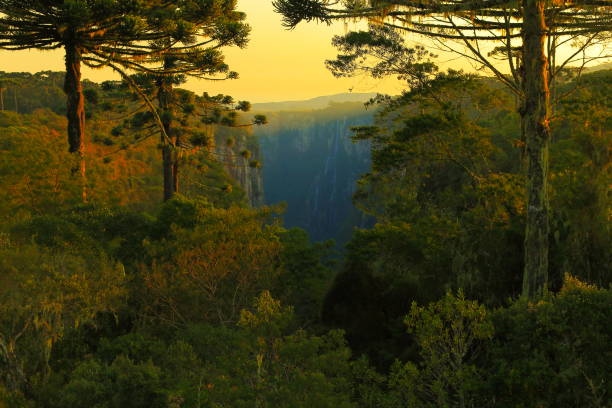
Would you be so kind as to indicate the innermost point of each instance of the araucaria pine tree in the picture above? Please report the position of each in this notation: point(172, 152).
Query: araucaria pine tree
point(91, 32)
point(527, 33)
point(195, 32)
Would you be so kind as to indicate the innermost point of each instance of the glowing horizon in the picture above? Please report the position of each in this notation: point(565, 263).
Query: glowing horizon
point(277, 65)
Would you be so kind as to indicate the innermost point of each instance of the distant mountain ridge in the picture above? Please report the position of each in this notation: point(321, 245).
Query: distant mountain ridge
point(320, 102)
point(323, 102)
point(600, 67)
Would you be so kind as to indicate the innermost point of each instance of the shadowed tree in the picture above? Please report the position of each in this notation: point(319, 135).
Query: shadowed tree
point(42, 295)
point(526, 32)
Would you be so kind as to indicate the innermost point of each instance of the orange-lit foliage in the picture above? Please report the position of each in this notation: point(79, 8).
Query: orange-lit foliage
point(125, 173)
point(213, 271)
point(35, 168)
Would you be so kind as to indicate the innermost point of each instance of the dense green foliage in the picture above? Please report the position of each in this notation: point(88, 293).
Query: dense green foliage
point(204, 301)
point(480, 275)
point(447, 193)
point(123, 163)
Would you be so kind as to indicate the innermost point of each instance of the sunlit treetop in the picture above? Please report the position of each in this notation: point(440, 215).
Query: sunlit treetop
point(195, 32)
point(123, 31)
point(453, 19)
point(94, 25)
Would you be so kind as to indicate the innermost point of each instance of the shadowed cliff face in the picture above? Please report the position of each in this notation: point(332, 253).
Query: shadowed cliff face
point(247, 177)
point(311, 163)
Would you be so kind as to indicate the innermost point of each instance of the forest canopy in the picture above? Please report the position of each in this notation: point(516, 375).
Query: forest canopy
point(139, 266)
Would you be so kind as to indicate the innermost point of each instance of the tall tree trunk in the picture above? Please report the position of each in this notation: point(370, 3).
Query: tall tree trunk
point(535, 117)
point(1, 98)
point(168, 153)
point(75, 112)
point(169, 150)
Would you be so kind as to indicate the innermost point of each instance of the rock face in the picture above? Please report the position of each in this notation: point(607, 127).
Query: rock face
point(310, 162)
point(240, 167)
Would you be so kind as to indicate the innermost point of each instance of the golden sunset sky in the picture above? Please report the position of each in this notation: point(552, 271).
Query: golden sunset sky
point(281, 64)
point(277, 65)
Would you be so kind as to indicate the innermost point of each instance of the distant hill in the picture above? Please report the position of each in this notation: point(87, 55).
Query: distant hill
point(323, 102)
point(600, 67)
point(320, 102)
